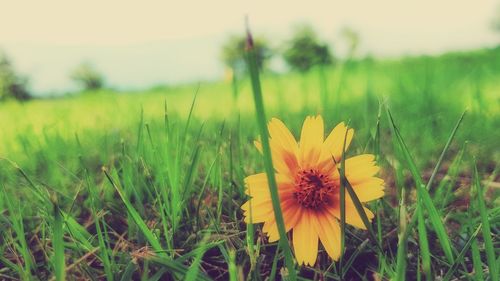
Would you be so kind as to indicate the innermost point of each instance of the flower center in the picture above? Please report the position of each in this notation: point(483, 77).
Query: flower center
point(312, 188)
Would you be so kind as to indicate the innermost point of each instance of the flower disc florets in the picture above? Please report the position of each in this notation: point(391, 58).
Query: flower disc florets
point(313, 188)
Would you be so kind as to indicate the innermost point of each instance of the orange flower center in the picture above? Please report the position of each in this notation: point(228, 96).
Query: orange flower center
point(312, 188)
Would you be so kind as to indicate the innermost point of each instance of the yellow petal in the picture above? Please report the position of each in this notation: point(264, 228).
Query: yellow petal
point(311, 140)
point(284, 148)
point(257, 214)
point(329, 234)
point(284, 159)
point(291, 215)
point(305, 240)
point(280, 134)
point(257, 185)
point(370, 189)
point(261, 205)
point(360, 168)
point(334, 143)
point(352, 216)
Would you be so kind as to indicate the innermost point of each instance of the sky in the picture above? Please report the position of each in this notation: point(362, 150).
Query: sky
point(139, 44)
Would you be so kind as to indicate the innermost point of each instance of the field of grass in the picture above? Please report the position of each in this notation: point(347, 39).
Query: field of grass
point(148, 185)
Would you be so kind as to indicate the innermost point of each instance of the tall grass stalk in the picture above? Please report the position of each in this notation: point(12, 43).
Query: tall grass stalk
point(488, 241)
point(58, 244)
point(422, 194)
point(268, 162)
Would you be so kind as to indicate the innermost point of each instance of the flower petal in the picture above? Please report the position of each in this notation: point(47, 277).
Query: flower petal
point(284, 148)
point(305, 240)
point(282, 136)
point(257, 185)
point(370, 189)
point(360, 168)
point(284, 159)
point(352, 216)
point(334, 143)
point(329, 233)
point(291, 215)
point(311, 140)
point(258, 213)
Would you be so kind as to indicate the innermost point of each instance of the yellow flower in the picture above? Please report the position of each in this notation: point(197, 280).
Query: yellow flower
point(309, 187)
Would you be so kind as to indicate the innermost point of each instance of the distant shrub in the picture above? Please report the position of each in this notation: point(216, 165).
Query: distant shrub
point(12, 85)
point(233, 53)
point(87, 77)
point(304, 50)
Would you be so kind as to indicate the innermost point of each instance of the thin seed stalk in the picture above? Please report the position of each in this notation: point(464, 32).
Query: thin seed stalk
point(268, 163)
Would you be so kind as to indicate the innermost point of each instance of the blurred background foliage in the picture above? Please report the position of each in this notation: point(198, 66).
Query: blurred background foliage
point(86, 76)
point(12, 84)
point(305, 50)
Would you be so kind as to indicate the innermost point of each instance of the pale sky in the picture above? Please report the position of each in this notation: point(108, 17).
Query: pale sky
point(137, 44)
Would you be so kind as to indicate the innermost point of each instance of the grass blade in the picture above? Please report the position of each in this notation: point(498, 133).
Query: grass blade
point(361, 211)
point(232, 270)
point(461, 255)
point(16, 220)
point(342, 209)
point(477, 263)
point(488, 243)
point(128, 273)
point(423, 241)
point(174, 266)
point(402, 239)
point(103, 246)
point(268, 163)
point(58, 244)
point(137, 218)
point(445, 149)
point(422, 193)
point(193, 271)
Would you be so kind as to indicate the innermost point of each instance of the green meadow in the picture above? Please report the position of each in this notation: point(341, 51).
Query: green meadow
point(148, 185)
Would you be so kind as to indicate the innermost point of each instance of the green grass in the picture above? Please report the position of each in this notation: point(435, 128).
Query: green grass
point(148, 185)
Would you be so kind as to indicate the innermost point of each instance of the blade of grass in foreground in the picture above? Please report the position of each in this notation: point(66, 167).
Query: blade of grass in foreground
point(104, 249)
point(360, 209)
point(268, 163)
point(174, 266)
point(488, 243)
point(443, 153)
point(460, 256)
point(477, 263)
point(137, 219)
point(342, 208)
point(194, 268)
point(58, 244)
point(16, 220)
point(402, 239)
point(346, 185)
point(424, 242)
point(423, 194)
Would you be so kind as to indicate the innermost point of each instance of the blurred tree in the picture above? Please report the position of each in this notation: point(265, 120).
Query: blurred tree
point(233, 53)
point(11, 84)
point(233, 56)
point(87, 77)
point(305, 50)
